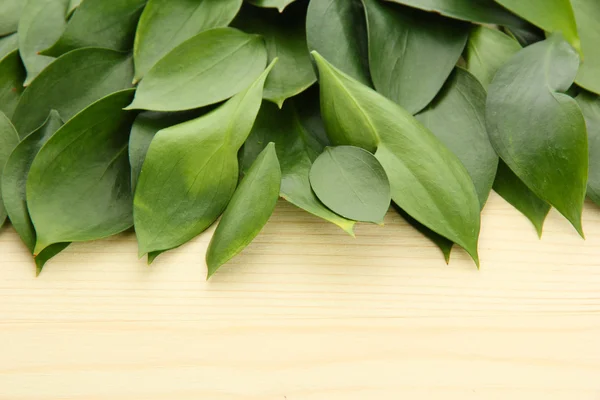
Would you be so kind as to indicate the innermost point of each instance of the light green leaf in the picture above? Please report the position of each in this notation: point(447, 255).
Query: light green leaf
point(41, 24)
point(337, 30)
point(210, 67)
point(191, 171)
point(285, 38)
point(73, 4)
point(537, 130)
point(550, 15)
point(427, 180)
point(278, 4)
point(411, 52)
point(99, 23)
point(14, 179)
point(8, 140)
point(248, 211)
point(8, 44)
point(480, 11)
point(590, 106)
point(587, 13)
point(70, 84)
point(295, 130)
point(78, 187)
point(350, 181)
point(12, 75)
point(10, 12)
point(165, 24)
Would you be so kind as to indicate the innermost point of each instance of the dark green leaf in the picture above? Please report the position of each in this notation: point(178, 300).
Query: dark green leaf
point(10, 12)
point(295, 131)
point(210, 67)
point(587, 13)
point(527, 34)
point(350, 181)
point(70, 84)
point(12, 75)
point(285, 39)
point(8, 140)
point(590, 106)
point(337, 30)
point(42, 23)
point(99, 23)
point(427, 180)
point(411, 52)
point(248, 211)
point(8, 44)
point(78, 187)
point(165, 24)
point(278, 4)
point(191, 171)
point(538, 131)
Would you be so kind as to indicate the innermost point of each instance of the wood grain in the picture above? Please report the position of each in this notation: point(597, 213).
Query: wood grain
point(308, 313)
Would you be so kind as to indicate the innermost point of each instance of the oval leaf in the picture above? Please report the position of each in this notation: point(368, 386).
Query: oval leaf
point(99, 23)
point(587, 13)
point(437, 192)
point(208, 68)
point(337, 30)
point(590, 106)
point(411, 53)
point(248, 211)
point(97, 73)
point(78, 187)
point(8, 44)
point(201, 157)
point(351, 182)
point(165, 24)
point(8, 140)
point(278, 4)
point(12, 75)
point(538, 131)
point(10, 12)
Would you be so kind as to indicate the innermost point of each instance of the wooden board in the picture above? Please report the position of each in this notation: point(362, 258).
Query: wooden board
point(308, 313)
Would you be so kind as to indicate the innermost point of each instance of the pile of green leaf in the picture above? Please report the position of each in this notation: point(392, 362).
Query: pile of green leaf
point(164, 115)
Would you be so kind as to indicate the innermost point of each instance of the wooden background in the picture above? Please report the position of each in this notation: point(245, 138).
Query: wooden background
point(309, 313)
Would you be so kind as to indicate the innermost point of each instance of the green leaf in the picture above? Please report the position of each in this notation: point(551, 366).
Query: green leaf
point(206, 69)
point(165, 24)
point(587, 13)
point(590, 106)
point(427, 180)
point(78, 187)
point(8, 140)
point(8, 44)
point(537, 130)
point(99, 23)
point(295, 131)
point(248, 211)
point(337, 30)
point(12, 75)
point(191, 171)
point(10, 12)
point(526, 35)
point(70, 84)
point(73, 5)
point(350, 181)
point(411, 53)
point(14, 179)
point(285, 39)
point(480, 11)
point(41, 24)
point(549, 15)
point(278, 4)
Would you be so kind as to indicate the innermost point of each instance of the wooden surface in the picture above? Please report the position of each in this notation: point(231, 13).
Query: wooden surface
point(309, 313)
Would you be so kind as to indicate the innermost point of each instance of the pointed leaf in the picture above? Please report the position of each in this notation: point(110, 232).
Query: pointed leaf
point(351, 182)
point(8, 140)
point(248, 211)
point(70, 84)
point(99, 23)
point(12, 75)
point(285, 39)
point(210, 67)
point(8, 44)
point(10, 12)
point(78, 187)
point(550, 15)
point(427, 180)
point(337, 30)
point(294, 130)
point(41, 24)
point(191, 171)
point(411, 52)
point(590, 106)
point(165, 24)
point(538, 131)
point(587, 13)
point(278, 4)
